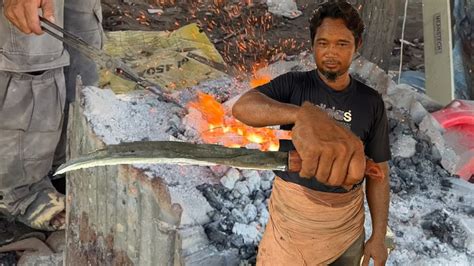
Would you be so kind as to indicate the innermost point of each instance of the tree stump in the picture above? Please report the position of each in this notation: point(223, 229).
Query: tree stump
point(381, 20)
point(116, 215)
point(466, 32)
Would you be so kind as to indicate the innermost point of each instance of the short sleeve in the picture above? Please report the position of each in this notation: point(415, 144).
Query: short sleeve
point(279, 89)
point(377, 146)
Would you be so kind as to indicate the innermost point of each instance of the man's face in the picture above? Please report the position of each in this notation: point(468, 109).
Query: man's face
point(334, 47)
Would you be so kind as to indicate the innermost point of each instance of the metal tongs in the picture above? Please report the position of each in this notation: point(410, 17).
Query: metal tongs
point(116, 66)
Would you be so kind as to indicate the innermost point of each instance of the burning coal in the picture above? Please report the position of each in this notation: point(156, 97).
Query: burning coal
point(217, 127)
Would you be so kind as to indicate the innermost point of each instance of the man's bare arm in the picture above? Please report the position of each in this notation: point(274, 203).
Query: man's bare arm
point(328, 150)
point(257, 110)
point(378, 198)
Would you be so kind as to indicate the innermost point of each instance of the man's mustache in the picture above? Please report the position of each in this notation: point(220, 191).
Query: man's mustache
point(331, 62)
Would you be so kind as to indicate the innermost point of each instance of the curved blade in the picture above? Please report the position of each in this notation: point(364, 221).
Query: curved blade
point(182, 153)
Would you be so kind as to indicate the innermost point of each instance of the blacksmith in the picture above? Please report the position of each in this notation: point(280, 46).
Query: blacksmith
point(317, 216)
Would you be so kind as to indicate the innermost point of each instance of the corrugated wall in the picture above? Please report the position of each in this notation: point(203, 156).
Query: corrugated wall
point(116, 215)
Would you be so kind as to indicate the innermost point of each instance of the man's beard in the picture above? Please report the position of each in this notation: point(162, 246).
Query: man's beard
point(331, 75)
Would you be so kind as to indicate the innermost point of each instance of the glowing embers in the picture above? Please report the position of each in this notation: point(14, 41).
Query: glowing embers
point(259, 78)
point(216, 127)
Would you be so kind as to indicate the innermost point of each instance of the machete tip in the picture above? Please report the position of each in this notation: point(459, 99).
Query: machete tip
point(60, 170)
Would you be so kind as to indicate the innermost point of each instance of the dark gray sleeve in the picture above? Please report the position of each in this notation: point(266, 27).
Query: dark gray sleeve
point(279, 89)
point(377, 146)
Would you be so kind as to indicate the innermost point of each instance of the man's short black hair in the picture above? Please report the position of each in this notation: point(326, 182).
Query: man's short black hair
point(338, 9)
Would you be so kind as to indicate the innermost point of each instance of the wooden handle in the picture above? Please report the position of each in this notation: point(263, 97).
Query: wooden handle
point(372, 169)
point(294, 162)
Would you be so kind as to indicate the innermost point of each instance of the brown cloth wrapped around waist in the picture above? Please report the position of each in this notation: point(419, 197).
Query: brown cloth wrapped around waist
point(308, 227)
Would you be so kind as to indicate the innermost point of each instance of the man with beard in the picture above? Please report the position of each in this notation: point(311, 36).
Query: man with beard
point(317, 216)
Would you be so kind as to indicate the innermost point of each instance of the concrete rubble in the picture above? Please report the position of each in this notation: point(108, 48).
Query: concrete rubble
point(230, 178)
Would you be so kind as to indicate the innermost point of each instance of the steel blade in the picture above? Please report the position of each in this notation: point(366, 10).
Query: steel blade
point(181, 153)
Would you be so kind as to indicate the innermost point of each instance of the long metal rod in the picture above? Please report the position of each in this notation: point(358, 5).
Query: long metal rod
point(106, 61)
point(66, 33)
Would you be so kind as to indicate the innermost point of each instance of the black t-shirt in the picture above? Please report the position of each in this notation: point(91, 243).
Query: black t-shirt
point(357, 107)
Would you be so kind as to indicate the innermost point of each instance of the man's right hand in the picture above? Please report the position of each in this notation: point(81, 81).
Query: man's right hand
point(330, 152)
point(24, 14)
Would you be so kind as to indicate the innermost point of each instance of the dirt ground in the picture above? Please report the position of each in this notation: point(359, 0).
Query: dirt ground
point(247, 36)
point(244, 35)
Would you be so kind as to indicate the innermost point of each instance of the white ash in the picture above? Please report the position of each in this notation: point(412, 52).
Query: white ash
point(263, 215)
point(418, 112)
point(265, 184)
point(242, 188)
point(182, 182)
point(230, 177)
point(404, 147)
point(250, 212)
point(220, 170)
point(240, 214)
point(267, 176)
point(426, 210)
point(174, 175)
point(302, 62)
point(131, 117)
point(249, 233)
point(402, 96)
point(427, 226)
point(222, 90)
point(252, 179)
point(195, 206)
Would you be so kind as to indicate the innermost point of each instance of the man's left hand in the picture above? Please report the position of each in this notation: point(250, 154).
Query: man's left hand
point(377, 250)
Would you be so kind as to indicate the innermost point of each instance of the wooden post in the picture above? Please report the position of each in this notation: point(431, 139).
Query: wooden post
point(466, 33)
point(116, 215)
point(381, 20)
point(439, 72)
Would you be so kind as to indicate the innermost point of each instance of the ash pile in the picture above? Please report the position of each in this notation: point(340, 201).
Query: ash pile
point(240, 212)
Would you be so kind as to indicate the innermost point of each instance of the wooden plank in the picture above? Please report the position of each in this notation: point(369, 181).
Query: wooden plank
point(439, 73)
point(133, 222)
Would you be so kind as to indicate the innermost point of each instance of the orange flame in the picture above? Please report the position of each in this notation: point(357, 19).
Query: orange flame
point(259, 79)
point(211, 110)
point(228, 131)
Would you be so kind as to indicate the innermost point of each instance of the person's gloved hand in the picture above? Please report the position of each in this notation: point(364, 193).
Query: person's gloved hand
point(328, 151)
point(24, 14)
